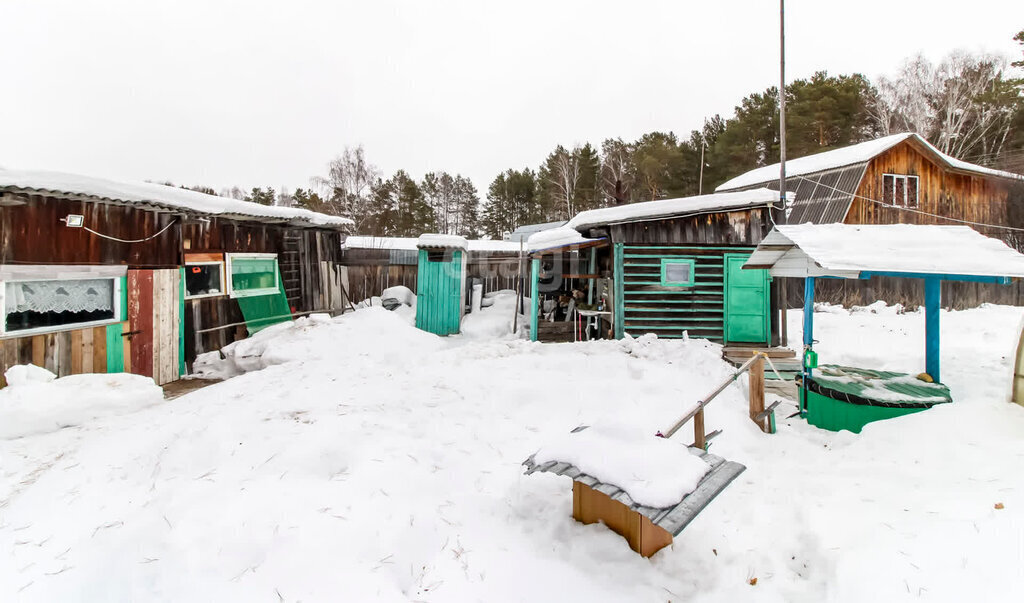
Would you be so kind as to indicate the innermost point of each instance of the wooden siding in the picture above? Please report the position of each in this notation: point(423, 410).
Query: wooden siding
point(32, 233)
point(744, 227)
point(369, 273)
point(649, 307)
point(940, 191)
point(63, 353)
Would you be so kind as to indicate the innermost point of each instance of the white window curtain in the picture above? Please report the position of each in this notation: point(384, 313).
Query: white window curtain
point(88, 295)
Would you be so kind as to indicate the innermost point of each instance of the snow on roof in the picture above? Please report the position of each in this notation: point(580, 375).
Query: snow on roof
point(410, 244)
point(853, 154)
point(847, 250)
point(442, 240)
point(664, 208)
point(555, 237)
point(157, 195)
point(523, 232)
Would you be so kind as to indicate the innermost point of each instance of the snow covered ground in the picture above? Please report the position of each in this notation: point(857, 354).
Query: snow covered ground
point(370, 461)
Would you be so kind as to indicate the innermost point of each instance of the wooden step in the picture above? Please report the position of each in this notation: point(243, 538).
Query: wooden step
point(747, 351)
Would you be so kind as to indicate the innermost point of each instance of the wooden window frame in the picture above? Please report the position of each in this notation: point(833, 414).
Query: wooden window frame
point(906, 197)
point(223, 276)
point(4, 333)
point(231, 257)
point(665, 262)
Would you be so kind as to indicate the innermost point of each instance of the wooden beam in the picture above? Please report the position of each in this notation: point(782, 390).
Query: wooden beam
point(756, 374)
point(699, 438)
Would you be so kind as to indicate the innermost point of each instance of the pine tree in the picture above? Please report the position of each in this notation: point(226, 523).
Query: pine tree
point(512, 201)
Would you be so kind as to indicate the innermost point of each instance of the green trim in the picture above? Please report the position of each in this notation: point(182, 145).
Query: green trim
point(115, 348)
point(677, 320)
point(124, 298)
point(680, 292)
point(663, 284)
point(181, 324)
point(620, 293)
point(686, 310)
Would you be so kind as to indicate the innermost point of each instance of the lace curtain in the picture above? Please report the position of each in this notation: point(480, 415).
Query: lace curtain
point(88, 295)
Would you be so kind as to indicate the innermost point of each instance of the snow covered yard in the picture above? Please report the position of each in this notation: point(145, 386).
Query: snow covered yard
point(372, 461)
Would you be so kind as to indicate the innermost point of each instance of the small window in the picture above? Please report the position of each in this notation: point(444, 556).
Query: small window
point(435, 256)
point(677, 273)
point(911, 191)
point(252, 274)
point(899, 190)
point(204, 279)
point(41, 306)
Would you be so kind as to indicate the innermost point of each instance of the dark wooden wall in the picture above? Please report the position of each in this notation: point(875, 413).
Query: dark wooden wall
point(31, 233)
point(742, 227)
point(371, 271)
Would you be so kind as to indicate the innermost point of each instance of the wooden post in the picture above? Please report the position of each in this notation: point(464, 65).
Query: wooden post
point(932, 302)
point(699, 438)
point(534, 294)
point(1018, 372)
point(757, 392)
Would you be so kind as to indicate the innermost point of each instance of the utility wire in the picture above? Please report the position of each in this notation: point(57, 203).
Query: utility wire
point(110, 238)
point(916, 211)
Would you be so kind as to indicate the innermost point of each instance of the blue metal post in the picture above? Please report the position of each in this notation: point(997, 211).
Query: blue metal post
point(932, 301)
point(534, 295)
point(808, 337)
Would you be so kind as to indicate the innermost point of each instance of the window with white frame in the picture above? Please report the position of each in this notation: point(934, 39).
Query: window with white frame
point(204, 279)
point(32, 306)
point(252, 274)
point(899, 190)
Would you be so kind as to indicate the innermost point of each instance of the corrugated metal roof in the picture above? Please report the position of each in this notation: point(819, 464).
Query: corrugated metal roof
point(822, 198)
point(151, 196)
point(672, 519)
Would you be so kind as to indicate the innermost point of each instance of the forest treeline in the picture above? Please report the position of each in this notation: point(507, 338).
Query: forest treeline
point(969, 105)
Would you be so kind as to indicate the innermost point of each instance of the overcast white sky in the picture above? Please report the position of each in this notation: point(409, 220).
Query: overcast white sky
point(264, 93)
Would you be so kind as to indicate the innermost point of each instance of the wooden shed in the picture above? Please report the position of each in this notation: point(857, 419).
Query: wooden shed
point(899, 179)
point(675, 267)
point(441, 291)
point(104, 276)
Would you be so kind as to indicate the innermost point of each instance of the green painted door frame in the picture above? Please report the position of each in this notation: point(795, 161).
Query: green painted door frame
point(747, 302)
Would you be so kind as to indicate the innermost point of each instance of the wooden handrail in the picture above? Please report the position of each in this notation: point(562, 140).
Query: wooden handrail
point(757, 411)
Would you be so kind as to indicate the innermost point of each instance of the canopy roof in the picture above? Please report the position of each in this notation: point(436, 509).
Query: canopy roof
point(157, 197)
point(859, 251)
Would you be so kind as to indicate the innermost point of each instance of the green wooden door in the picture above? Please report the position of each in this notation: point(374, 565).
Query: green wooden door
point(746, 302)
